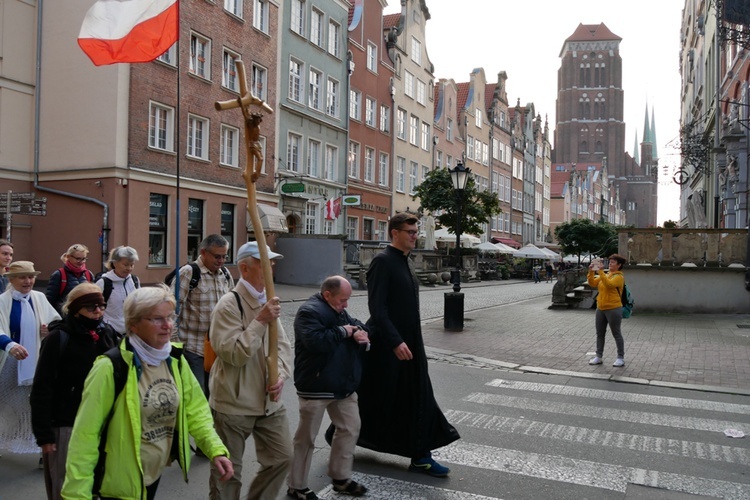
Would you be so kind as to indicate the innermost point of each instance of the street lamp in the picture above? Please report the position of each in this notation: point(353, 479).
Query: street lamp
point(454, 301)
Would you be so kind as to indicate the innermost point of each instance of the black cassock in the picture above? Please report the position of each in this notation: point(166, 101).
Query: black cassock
point(396, 402)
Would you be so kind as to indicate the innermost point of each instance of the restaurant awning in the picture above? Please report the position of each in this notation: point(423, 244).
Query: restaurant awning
point(507, 241)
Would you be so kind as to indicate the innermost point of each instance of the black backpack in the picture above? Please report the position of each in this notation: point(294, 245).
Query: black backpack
point(108, 284)
point(195, 276)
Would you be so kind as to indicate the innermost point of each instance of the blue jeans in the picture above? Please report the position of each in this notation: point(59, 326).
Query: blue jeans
point(613, 318)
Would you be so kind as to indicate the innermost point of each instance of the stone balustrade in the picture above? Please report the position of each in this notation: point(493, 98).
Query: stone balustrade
point(684, 247)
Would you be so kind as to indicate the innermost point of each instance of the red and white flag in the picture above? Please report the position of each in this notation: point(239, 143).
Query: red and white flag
point(128, 31)
point(333, 208)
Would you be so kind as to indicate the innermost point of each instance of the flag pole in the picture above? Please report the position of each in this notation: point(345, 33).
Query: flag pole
point(177, 128)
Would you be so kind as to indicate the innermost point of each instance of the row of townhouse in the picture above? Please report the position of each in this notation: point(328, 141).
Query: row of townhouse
point(137, 154)
point(715, 114)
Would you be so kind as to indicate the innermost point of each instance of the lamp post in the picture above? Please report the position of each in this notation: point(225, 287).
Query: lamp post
point(453, 318)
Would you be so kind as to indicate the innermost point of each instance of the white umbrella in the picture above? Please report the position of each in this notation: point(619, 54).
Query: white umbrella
point(467, 240)
point(505, 248)
point(487, 247)
point(552, 255)
point(531, 251)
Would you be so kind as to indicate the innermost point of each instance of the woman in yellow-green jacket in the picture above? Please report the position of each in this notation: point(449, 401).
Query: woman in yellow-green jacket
point(608, 305)
point(161, 403)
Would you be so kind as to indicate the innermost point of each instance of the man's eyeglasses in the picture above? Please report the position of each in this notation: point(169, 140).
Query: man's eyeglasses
point(411, 232)
point(94, 307)
point(218, 256)
point(162, 320)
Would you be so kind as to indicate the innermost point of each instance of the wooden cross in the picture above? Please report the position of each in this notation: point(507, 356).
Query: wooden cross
point(251, 174)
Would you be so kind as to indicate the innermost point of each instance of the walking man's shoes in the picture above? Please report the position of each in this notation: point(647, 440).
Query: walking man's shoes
point(429, 466)
point(306, 494)
point(349, 487)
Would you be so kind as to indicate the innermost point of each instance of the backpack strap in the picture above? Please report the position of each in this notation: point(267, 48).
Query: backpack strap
point(107, 288)
point(195, 277)
point(63, 280)
point(136, 281)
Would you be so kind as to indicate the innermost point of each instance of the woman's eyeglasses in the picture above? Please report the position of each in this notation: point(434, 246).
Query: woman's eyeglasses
point(162, 320)
point(79, 259)
point(94, 307)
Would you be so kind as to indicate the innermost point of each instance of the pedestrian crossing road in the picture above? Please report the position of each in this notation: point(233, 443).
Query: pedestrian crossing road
point(530, 436)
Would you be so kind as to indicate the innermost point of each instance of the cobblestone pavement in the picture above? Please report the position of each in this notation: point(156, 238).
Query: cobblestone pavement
point(508, 325)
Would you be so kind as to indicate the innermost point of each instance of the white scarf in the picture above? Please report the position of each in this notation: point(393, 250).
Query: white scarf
point(259, 296)
point(147, 354)
point(29, 338)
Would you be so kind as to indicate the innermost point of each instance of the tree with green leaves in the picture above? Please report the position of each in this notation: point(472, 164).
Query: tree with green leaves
point(436, 195)
point(581, 236)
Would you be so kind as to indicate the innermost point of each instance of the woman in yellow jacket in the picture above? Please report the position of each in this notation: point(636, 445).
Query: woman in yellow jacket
point(608, 305)
point(160, 404)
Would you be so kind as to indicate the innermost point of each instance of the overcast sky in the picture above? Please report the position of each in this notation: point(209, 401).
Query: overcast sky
point(524, 39)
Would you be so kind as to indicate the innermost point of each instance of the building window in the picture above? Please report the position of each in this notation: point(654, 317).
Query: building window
point(311, 218)
point(400, 174)
point(439, 159)
point(258, 82)
point(197, 137)
point(229, 146)
point(355, 103)
point(227, 228)
point(385, 118)
point(370, 111)
point(477, 150)
point(334, 36)
point(200, 56)
point(413, 129)
point(416, 51)
point(369, 164)
point(313, 158)
point(233, 7)
point(316, 27)
point(352, 229)
point(195, 227)
point(421, 92)
point(413, 179)
point(470, 147)
point(332, 97)
point(382, 230)
point(408, 84)
point(449, 129)
point(383, 172)
point(485, 154)
point(314, 100)
point(298, 17)
point(229, 73)
point(260, 15)
point(295, 80)
point(157, 229)
point(170, 56)
point(478, 117)
point(372, 57)
point(331, 164)
point(293, 150)
point(161, 127)
point(401, 124)
point(353, 160)
point(425, 136)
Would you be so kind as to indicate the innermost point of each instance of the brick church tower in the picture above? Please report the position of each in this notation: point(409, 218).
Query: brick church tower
point(590, 120)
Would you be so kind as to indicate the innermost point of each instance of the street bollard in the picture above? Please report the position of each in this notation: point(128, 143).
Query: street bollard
point(453, 319)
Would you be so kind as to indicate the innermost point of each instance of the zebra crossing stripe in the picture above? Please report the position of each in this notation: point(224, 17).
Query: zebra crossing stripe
point(584, 472)
point(640, 417)
point(379, 487)
point(601, 438)
point(602, 395)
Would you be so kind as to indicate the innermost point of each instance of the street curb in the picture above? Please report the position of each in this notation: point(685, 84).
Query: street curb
point(594, 376)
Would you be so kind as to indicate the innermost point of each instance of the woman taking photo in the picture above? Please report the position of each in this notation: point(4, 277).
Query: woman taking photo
point(65, 279)
point(117, 284)
point(161, 404)
point(608, 305)
point(24, 316)
point(66, 357)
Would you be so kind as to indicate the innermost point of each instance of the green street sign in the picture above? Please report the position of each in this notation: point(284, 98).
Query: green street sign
point(293, 187)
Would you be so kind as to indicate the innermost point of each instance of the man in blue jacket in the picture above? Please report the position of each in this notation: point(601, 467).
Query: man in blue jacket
point(327, 370)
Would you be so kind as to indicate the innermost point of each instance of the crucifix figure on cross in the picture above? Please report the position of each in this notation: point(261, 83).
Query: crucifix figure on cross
point(252, 171)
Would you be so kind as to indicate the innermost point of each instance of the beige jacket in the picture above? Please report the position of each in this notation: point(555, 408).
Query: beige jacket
point(238, 377)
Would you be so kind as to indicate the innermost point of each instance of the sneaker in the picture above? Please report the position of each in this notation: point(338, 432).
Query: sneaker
point(429, 466)
point(306, 494)
point(596, 360)
point(619, 362)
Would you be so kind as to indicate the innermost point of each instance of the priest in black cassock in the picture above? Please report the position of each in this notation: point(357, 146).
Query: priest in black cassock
point(396, 402)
